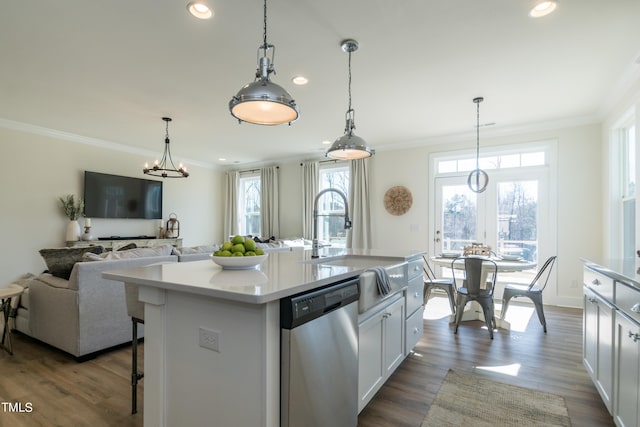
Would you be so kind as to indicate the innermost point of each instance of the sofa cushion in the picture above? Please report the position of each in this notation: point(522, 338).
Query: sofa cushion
point(162, 250)
point(209, 249)
point(53, 281)
point(60, 261)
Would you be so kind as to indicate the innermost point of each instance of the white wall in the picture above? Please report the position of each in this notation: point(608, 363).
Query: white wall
point(38, 169)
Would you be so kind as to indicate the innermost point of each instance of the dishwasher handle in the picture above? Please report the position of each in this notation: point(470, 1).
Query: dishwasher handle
point(299, 309)
point(332, 307)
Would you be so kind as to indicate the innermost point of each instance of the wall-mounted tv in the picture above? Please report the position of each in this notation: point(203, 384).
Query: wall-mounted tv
point(113, 196)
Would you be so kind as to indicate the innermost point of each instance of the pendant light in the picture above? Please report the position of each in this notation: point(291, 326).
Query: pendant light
point(349, 146)
point(161, 168)
point(478, 179)
point(263, 102)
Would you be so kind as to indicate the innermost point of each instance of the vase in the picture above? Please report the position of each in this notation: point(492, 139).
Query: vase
point(73, 231)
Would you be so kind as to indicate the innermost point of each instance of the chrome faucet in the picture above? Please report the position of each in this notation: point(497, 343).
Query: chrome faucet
point(347, 222)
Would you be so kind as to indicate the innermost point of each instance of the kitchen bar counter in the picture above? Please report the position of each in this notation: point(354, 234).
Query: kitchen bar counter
point(282, 274)
point(212, 336)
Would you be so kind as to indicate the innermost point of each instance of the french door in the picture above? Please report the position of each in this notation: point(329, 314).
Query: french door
point(511, 215)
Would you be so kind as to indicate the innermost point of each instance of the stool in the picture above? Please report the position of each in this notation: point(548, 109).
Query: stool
point(6, 294)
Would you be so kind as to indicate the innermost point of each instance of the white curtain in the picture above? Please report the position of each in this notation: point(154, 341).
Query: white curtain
point(231, 204)
point(269, 202)
point(310, 184)
point(359, 206)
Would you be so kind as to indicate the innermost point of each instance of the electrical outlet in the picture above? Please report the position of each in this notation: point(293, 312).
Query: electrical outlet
point(209, 339)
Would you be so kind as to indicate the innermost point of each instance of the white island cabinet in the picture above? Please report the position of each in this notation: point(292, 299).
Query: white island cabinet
point(611, 352)
point(212, 336)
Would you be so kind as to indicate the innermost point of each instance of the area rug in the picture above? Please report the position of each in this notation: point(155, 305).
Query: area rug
point(468, 399)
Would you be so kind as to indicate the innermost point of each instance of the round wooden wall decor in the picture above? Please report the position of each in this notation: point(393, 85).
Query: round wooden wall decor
point(398, 200)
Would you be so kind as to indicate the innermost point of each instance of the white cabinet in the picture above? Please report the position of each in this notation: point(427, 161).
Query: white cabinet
point(625, 411)
point(381, 346)
point(415, 304)
point(598, 343)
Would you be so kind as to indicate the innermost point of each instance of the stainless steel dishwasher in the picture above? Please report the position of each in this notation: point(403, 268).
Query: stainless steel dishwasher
point(319, 357)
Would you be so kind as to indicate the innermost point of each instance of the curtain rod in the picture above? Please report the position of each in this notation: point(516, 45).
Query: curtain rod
point(254, 170)
point(326, 161)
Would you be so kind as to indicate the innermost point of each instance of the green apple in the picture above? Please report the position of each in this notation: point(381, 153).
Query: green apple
point(250, 244)
point(226, 246)
point(238, 248)
point(237, 239)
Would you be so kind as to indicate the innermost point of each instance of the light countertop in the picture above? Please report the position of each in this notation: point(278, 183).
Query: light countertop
point(625, 270)
point(281, 275)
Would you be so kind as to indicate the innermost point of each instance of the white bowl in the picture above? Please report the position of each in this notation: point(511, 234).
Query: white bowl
point(511, 257)
point(239, 262)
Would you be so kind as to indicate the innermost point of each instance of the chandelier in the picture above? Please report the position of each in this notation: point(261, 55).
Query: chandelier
point(165, 167)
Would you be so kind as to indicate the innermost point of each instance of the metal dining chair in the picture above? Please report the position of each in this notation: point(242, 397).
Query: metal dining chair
point(135, 309)
point(431, 282)
point(533, 291)
point(480, 275)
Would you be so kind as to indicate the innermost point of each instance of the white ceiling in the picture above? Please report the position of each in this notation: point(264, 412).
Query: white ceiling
point(111, 69)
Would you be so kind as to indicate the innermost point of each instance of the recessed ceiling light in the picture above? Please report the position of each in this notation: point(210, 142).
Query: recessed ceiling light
point(300, 80)
point(542, 8)
point(200, 10)
point(326, 142)
point(222, 159)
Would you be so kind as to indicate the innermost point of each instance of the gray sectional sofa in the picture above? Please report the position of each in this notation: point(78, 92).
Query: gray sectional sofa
point(86, 313)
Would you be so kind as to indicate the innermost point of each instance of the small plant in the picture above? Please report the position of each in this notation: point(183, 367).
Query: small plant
point(72, 209)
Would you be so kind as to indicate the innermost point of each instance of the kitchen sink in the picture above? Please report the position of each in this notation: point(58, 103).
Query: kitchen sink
point(369, 294)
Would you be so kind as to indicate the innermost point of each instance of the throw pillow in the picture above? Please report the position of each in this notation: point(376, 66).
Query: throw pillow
point(129, 246)
point(60, 261)
point(198, 249)
point(162, 250)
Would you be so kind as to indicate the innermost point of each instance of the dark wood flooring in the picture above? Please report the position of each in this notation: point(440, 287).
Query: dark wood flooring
point(96, 393)
point(524, 356)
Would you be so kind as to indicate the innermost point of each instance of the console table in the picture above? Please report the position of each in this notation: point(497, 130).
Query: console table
point(118, 243)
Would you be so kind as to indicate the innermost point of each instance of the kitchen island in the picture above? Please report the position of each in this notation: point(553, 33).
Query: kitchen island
point(235, 379)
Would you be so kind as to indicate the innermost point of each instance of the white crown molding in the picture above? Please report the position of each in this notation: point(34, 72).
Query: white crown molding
point(96, 142)
point(493, 132)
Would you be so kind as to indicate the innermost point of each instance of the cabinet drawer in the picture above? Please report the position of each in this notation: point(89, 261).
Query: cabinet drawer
point(628, 300)
point(415, 297)
point(415, 268)
point(414, 330)
point(599, 283)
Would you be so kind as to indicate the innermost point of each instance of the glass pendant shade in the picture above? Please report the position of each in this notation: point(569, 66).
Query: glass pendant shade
point(264, 103)
point(478, 179)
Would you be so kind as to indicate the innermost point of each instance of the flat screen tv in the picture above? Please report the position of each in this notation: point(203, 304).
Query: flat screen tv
point(113, 196)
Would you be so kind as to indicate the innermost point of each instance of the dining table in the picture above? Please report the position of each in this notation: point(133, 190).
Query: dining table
point(473, 311)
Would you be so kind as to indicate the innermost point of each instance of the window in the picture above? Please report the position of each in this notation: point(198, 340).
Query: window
point(627, 135)
point(249, 204)
point(331, 206)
